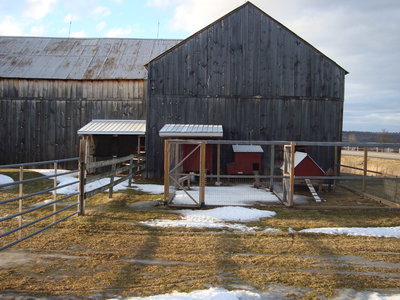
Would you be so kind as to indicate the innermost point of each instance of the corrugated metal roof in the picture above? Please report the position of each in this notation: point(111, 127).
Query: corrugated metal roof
point(121, 127)
point(247, 148)
point(191, 130)
point(73, 58)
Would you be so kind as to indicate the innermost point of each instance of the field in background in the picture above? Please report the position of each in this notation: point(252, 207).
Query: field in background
point(385, 188)
point(386, 166)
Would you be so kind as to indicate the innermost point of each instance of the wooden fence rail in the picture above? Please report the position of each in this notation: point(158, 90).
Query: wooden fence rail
point(132, 164)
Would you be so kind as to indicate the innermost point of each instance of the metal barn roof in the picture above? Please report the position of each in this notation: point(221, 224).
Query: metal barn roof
point(191, 130)
point(83, 58)
point(247, 148)
point(120, 127)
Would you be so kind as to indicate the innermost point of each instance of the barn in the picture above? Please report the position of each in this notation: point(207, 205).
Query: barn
point(51, 87)
point(252, 75)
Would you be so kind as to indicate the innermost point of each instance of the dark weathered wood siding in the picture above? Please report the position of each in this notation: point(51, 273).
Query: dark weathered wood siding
point(250, 74)
point(39, 119)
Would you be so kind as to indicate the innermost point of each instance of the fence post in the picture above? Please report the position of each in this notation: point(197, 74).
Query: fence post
point(364, 181)
point(82, 176)
point(110, 190)
point(55, 191)
point(130, 172)
point(202, 173)
point(21, 193)
point(218, 165)
point(335, 166)
point(291, 191)
point(396, 185)
point(166, 171)
point(272, 168)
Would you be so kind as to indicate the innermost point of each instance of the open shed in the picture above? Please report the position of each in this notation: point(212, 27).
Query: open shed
point(109, 138)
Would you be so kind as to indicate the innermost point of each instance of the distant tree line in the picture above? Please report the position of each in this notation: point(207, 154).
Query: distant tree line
point(371, 137)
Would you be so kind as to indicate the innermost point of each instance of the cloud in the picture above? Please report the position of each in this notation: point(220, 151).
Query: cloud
point(37, 9)
point(119, 32)
point(101, 11)
point(37, 30)
point(71, 18)
point(9, 26)
point(78, 34)
point(162, 3)
point(100, 26)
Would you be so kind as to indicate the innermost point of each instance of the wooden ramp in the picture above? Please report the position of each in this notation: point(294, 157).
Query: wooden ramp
point(312, 190)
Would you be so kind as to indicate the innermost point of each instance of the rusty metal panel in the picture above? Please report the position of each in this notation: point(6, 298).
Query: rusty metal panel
point(73, 58)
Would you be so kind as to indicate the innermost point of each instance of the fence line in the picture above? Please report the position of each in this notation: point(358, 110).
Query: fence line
point(21, 197)
point(176, 169)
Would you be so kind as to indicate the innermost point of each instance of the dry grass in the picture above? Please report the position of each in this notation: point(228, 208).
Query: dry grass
point(385, 188)
point(391, 167)
point(107, 252)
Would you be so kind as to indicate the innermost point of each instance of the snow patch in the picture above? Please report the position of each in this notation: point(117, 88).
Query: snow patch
point(4, 179)
point(210, 294)
point(214, 218)
point(223, 294)
point(230, 213)
point(150, 188)
point(71, 189)
point(240, 195)
point(390, 232)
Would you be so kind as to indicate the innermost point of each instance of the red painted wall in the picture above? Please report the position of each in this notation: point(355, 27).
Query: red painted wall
point(307, 167)
point(192, 163)
point(243, 163)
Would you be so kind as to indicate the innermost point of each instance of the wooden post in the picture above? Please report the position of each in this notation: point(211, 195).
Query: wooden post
point(272, 168)
point(21, 193)
point(138, 152)
point(364, 182)
point(130, 172)
point(55, 191)
point(202, 181)
point(291, 190)
point(110, 190)
point(396, 185)
point(218, 164)
point(82, 176)
point(335, 167)
point(166, 171)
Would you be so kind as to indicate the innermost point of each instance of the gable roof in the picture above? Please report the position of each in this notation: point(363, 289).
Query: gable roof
point(78, 58)
point(248, 3)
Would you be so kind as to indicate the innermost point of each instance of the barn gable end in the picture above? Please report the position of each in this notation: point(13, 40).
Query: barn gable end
point(251, 74)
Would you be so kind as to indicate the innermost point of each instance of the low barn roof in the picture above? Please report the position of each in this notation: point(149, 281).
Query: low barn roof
point(119, 127)
point(78, 58)
point(191, 130)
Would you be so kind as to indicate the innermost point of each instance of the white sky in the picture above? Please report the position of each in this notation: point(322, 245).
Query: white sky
point(361, 36)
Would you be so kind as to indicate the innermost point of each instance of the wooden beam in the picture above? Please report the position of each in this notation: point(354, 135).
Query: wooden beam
point(202, 173)
point(364, 181)
point(218, 165)
point(291, 189)
point(82, 176)
point(166, 171)
point(272, 168)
